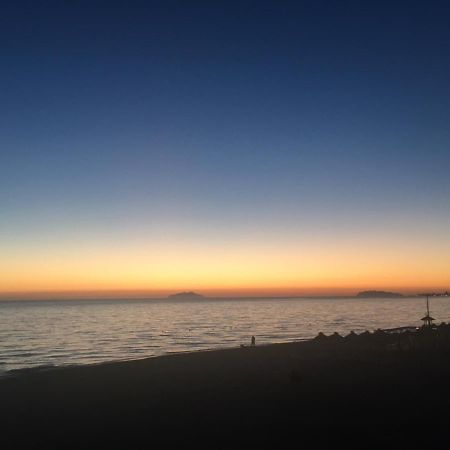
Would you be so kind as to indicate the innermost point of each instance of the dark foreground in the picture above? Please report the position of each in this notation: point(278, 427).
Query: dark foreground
point(360, 392)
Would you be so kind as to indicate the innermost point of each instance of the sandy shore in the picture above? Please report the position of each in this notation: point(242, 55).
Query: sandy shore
point(300, 395)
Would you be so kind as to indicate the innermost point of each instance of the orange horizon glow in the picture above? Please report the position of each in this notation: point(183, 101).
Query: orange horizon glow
point(265, 264)
point(214, 293)
point(103, 279)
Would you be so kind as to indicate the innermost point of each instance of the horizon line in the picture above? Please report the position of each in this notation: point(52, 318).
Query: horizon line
point(146, 295)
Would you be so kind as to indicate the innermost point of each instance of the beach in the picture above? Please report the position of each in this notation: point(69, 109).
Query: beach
point(315, 393)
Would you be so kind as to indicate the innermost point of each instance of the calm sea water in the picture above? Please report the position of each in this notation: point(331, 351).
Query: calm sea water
point(54, 333)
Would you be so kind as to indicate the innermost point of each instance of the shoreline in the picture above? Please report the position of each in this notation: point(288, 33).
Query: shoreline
point(30, 370)
point(44, 368)
point(12, 299)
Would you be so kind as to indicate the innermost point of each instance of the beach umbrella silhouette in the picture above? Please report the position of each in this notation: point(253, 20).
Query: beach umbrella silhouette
point(427, 320)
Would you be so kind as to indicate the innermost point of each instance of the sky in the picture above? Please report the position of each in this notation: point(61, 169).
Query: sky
point(228, 147)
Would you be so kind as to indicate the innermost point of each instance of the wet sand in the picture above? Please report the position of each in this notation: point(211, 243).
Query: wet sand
point(299, 395)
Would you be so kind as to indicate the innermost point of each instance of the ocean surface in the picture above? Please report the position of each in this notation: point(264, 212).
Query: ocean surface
point(55, 333)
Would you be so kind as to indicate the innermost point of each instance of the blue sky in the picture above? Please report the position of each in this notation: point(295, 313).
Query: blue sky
point(221, 118)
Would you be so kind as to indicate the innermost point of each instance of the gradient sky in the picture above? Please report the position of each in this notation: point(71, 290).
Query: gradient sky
point(244, 147)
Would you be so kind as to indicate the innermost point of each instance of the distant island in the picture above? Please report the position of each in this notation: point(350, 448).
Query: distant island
point(378, 294)
point(188, 295)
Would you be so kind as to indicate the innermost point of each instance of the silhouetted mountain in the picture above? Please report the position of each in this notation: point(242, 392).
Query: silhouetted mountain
point(378, 294)
point(188, 295)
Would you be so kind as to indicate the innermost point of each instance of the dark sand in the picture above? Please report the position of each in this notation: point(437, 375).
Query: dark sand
point(302, 395)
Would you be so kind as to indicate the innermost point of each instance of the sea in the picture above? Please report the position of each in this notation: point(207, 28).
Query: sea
point(43, 334)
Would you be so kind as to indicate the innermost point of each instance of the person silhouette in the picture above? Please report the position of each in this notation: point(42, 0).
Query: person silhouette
point(253, 341)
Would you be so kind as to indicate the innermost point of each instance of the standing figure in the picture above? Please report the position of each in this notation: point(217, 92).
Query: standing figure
point(253, 341)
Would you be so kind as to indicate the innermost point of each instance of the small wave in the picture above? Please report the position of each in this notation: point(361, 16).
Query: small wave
point(22, 354)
